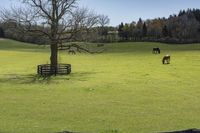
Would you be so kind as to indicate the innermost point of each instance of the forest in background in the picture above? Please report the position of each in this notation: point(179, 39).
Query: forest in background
point(181, 28)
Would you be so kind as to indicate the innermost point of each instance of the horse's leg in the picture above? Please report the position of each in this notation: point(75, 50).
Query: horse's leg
point(163, 61)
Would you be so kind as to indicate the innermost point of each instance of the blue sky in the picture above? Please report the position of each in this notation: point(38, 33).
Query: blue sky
point(131, 10)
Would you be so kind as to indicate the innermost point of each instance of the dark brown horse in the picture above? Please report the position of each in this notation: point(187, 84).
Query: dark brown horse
point(166, 59)
point(156, 51)
point(71, 51)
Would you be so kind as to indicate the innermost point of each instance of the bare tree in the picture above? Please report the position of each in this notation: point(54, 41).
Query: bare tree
point(54, 15)
point(84, 19)
point(103, 20)
point(57, 20)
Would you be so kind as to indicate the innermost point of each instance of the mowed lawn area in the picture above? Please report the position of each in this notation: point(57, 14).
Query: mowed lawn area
point(126, 89)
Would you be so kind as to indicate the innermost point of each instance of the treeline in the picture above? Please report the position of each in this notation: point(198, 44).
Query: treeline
point(9, 29)
point(181, 28)
point(93, 34)
point(84, 26)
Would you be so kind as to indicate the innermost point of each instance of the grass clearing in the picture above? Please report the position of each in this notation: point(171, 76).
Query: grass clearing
point(124, 90)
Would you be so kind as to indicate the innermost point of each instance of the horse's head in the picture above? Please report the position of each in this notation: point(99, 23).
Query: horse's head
point(167, 55)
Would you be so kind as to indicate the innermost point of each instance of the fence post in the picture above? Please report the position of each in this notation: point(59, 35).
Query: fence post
point(38, 69)
point(41, 70)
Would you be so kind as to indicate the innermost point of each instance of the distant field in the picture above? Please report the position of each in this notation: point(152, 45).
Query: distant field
point(126, 89)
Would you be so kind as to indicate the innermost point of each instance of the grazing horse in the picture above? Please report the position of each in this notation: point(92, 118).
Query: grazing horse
point(166, 59)
point(156, 51)
point(71, 51)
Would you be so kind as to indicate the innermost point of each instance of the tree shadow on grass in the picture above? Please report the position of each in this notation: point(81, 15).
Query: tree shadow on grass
point(36, 79)
point(23, 79)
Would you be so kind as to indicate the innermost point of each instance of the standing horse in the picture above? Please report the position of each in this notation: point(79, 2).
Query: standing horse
point(166, 59)
point(156, 51)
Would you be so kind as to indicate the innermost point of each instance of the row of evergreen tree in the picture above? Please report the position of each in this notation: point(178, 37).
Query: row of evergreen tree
point(181, 28)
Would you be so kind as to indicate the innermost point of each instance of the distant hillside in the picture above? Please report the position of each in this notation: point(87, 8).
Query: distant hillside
point(8, 44)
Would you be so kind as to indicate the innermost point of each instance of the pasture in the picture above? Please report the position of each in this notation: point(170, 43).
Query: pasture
point(126, 89)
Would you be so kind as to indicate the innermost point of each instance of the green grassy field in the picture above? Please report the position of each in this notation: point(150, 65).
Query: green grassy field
point(126, 89)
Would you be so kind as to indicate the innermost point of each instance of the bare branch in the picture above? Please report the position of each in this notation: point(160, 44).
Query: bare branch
point(103, 20)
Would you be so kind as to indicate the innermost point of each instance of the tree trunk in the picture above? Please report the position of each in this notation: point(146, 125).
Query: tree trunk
point(54, 54)
point(54, 42)
point(54, 58)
